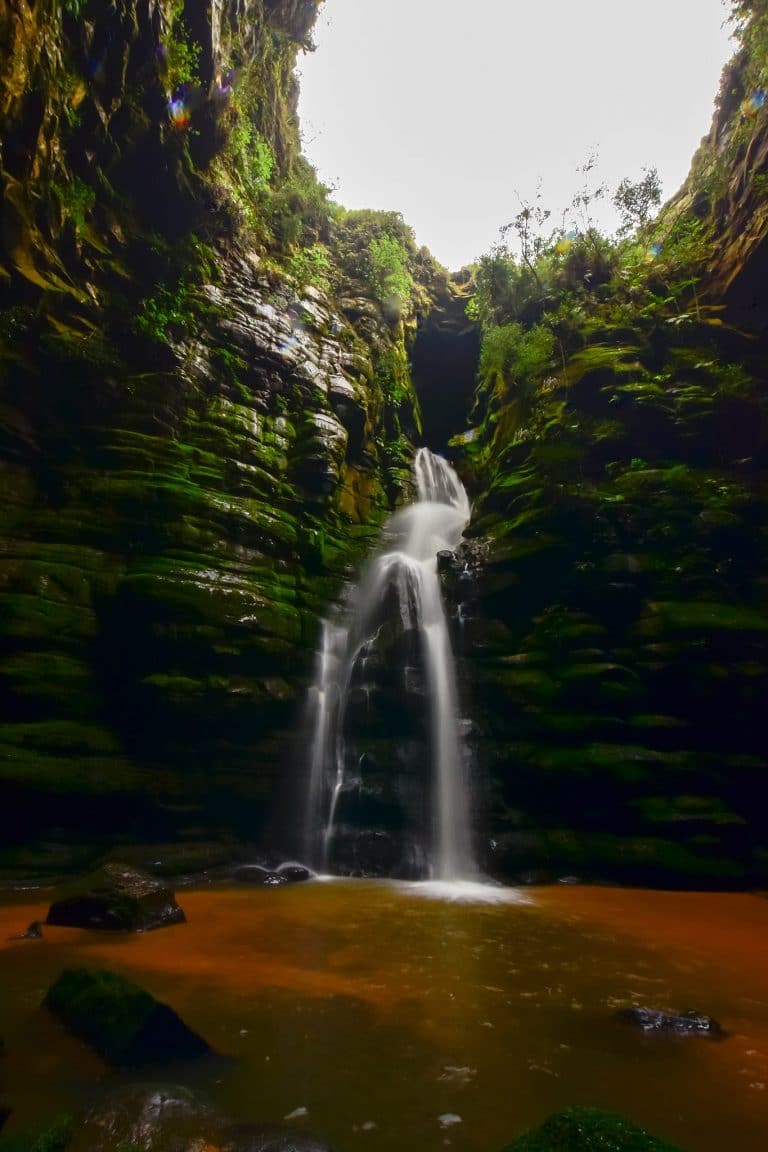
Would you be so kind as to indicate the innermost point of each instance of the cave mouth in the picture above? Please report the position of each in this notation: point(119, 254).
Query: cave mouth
point(444, 360)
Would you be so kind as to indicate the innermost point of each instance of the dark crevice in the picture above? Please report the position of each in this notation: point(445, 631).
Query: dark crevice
point(444, 362)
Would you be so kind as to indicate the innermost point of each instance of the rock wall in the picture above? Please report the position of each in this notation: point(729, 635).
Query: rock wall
point(611, 599)
point(196, 442)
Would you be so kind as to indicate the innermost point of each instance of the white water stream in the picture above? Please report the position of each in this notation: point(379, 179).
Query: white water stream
point(407, 564)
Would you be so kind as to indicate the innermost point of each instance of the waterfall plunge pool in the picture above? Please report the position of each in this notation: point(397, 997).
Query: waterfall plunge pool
point(380, 1011)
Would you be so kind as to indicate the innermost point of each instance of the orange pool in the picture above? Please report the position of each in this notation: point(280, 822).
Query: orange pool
point(380, 1010)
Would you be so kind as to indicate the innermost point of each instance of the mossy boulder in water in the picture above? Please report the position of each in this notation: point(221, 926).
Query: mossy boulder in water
point(117, 898)
point(589, 1130)
point(123, 1022)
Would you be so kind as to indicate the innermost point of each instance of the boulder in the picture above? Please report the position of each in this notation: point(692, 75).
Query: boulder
point(589, 1130)
point(681, 1024)
point(256, 874)
point(121, 1021)
point(294, 872)
point(169, 1118)
point(154, 1117)
point(117, 898)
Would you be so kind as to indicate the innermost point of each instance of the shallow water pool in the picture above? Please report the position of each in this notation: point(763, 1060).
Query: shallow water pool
point(393, 1017)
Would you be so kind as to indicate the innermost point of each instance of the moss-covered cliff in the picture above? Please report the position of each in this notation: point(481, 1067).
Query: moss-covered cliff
point(207, 408)
point(616, 628)
point(205, 412)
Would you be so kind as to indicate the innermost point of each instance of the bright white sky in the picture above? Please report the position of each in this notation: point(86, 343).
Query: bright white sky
point(441, 109)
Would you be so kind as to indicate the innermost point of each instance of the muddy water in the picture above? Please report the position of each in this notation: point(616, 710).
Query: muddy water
point(381, 1010)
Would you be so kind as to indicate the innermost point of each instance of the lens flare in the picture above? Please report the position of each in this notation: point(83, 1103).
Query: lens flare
point(565, 243)
point(753, 103)
point(179, 113)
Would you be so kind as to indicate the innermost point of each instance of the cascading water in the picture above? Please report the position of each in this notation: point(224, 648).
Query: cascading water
point(403, 573)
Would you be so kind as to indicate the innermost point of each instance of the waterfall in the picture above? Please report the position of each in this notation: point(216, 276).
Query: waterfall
point(404, 574)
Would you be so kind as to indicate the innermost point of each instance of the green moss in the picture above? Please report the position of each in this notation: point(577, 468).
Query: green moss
point(105, 1009)
point(589, 1130)
point(697, 617)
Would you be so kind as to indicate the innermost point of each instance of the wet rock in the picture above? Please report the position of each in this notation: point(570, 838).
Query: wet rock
point(156, 1118)
point(589, 1130)
point(119, 899)
point(365, 852)
point(255, 874)
point(681, 1024)
point(120, 1020)
point(256, 1138)
point(169, 1118)
point(294, 873)
point(33, 932)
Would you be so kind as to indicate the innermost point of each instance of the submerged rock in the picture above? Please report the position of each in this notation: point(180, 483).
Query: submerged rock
point(33, 932)
point(123, 1022)
point(682, 1024)
point(589, 1130)
point(156, 1118)
point(169, 1118)
point(117, 898)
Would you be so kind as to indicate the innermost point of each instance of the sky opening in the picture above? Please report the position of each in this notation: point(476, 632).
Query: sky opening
point(445, 111)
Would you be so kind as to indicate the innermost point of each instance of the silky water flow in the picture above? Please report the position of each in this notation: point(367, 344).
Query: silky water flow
point(404, 567)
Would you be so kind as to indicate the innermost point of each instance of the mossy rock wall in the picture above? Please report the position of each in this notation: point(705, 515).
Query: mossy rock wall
point(171, 539)
point(196, 442)
point(615, 613)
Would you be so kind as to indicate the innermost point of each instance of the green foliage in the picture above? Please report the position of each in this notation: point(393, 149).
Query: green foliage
point(300, 210)
point(512, 357)
point(393, 376)
point(528, 225)
point(502, 288)
point(389, 278)
point(377, 250)
point(166, 313)
point(311, 266)
point(246, 150)
point(636, 200)
point(253, 155)
point(77, 200)
point(588, 262)
point(172, 308)
point(182, 54)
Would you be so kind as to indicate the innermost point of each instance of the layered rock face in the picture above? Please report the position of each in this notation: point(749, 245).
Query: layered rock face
point(729, 174)
point(195, 441)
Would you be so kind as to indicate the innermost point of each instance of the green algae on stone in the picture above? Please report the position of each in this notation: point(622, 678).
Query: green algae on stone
point(120, 1020)
point(589, 1130)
